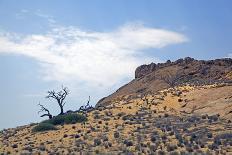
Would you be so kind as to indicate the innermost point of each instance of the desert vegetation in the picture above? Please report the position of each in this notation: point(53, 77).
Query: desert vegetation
point(151, 126)
point(70, 117)
point(179, 119)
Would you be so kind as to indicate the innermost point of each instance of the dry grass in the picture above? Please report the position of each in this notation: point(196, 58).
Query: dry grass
point(136, 120)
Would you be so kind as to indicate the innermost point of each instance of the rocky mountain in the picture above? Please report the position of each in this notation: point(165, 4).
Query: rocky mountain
point(155, 77)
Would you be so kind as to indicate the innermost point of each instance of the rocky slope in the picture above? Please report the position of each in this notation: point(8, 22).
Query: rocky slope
point(180, 120)
point(181, 107)
point(154, 77)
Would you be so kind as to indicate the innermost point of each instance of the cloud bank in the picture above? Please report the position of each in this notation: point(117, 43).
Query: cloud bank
point(93, 58)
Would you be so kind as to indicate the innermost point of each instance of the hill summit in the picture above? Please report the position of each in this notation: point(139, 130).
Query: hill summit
point(155, 77)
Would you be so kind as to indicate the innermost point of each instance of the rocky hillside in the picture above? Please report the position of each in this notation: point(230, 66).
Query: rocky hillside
point(154, 77)
point(181, 120)
point(178, 108)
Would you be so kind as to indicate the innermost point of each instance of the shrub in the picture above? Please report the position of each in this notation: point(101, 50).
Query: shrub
point(42, 148)
point(116, 135)
point(161, 152)
point(77, 136)
point(166, 115)
point(153, 138)
point(105, 138)
point(65, 135)
point(189, 149)
point(96, 116)
point(129, 143)
point(14, 146)
point(226, 135)
point(204, 116)
point(180, 100)
point(209, 135)
point(109, 144)
point(43, 127)
point(174, 153)
point(121, 114)
point(97, 142)
point(214, 118)
point(171, 147)
point(193, 137)
point(66, 119)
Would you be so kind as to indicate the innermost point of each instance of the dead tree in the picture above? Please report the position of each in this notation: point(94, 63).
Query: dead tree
point(59, 97)
point(45, 110)
point(86, 108)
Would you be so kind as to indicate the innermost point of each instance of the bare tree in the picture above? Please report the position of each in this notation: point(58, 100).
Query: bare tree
point(85, 108)
point(46, 110)
point(59, 97)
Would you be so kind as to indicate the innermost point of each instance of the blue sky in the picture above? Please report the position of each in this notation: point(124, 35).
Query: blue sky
point(94, 46)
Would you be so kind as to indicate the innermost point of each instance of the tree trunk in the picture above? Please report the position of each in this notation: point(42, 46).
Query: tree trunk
point(61, 110)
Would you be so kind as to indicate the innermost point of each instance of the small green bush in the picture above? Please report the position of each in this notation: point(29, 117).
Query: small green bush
point(66, 119)
point(43, 127)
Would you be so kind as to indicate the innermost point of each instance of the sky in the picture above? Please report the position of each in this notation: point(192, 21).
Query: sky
point(94, 46)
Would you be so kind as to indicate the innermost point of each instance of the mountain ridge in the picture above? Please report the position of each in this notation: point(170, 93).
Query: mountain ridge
point(155, 77)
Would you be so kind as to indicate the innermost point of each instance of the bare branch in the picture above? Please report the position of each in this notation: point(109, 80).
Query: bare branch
point(44, 109)
point(59, 97)
point(85, 108)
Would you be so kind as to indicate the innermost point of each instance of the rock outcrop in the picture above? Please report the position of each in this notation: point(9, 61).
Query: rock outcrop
point(154, 77)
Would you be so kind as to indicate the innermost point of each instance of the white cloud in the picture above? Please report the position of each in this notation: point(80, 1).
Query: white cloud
point(49, 18)
point(93, 58)
point(24, 11)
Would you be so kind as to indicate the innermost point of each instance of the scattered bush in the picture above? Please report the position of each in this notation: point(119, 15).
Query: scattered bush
point(161, 152)
point(193, 119)
point(105, 138)
point(189, 149)
point(43, 127)
point(109, 144)
point(96, 116)
point(66, 119)
point(97, 142)
point(213, 146)
point(204, 116)
point(153, 147)
point(166, 115)
point(153, 139)
point(209, 135)
point(171, 147)
point(42, 148)
point(174, 153)
point(121, 114)
point(193, 137)
point(129, 143)
point(224, 136)
point(180, 100)
point(14, 146)
point(214, 118)
point(164, 137)
point(116, 135)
